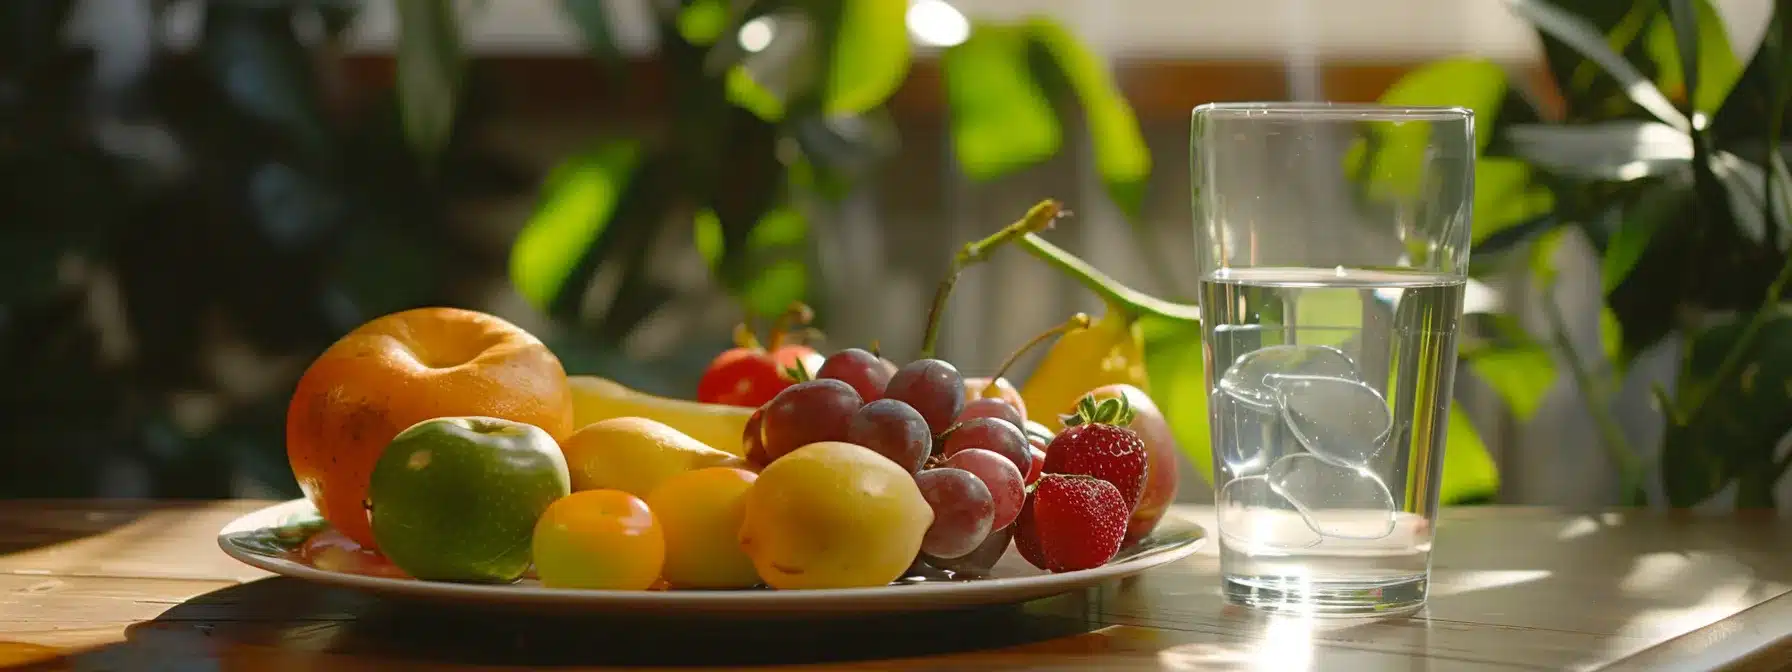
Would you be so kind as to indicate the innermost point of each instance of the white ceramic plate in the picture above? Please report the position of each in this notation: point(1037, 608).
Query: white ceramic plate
point(270, 539)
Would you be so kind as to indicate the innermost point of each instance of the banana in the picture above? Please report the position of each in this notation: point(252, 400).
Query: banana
point(717, 425)
point(1110, 351)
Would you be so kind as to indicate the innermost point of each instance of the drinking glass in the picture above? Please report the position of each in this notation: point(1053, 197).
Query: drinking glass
point(1334, 246)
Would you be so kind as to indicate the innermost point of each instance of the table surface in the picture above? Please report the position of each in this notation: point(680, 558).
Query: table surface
point(135, 585)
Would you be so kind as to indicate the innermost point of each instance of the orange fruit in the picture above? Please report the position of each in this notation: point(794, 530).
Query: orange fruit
point(599, 540)
point(399, 370)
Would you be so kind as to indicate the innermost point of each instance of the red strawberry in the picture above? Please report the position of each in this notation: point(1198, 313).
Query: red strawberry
point(1071, 522)
point(1095, 442)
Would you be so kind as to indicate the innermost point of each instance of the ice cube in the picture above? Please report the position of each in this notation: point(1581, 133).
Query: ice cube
point(1252, 514)
point(1248, 378)
point(1335, 501)
point(1245, 433)
point(1341, 421)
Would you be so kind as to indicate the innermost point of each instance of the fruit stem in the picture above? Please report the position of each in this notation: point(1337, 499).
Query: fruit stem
point(1076, 322)
point(1117, 295)
point(799, 313)
point(744, 338)
point(1040, 216)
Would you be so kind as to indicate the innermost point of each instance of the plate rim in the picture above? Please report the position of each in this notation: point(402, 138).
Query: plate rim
point(866, 599)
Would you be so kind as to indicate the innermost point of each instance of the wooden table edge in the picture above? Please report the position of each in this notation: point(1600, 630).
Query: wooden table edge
point(1745, 640)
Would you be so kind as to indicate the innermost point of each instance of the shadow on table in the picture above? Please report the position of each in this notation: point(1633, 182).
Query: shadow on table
point(283, 620)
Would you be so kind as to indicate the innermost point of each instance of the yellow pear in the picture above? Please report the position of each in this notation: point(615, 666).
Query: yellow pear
point(1109, 352)
point(719, 426)
point(635, 455)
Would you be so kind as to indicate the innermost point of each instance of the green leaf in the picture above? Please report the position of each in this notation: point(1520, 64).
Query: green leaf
point(774, 270)
point(1120, 153)
point(578, 202)
point(1506, 196)
point(1543, 254)
point(429, 72)
point(1175, 368)
point(1614, 150)
point(1714, 68)
point(1585, 38)
point(1742, 417)
point(1521, 375)
point(702, 21)
point(750, 96)
point(870, 55)
point(1745, 191)
point(1001, 118)
point(1469, 471)
point(1611, 339)
point(1391, 160)
point(1653, 210)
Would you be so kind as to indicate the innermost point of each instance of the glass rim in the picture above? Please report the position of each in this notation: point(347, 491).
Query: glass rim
point(1323, 111)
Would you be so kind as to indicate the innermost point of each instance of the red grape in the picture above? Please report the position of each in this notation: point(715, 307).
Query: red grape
point(980, 561)
point(894, 430)
point(934, 387)
point(990, 407)
point(867, 373)
point(1006, 485)
point(963, 511)
point(1038, 451)
point(807, 412)
point(994, 435)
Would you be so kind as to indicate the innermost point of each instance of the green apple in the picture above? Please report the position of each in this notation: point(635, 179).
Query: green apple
point(456, 499)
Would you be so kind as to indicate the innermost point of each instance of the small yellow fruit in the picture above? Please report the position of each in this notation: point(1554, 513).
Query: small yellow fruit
point(600, 540)
point(635, 455)
point(701, 513)
point(1110, 351)
point(833, 515)
point(718, 426)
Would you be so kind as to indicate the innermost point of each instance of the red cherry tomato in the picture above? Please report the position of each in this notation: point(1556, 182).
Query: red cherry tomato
point(751, 376)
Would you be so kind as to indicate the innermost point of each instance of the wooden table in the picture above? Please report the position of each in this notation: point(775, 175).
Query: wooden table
point(142, 585)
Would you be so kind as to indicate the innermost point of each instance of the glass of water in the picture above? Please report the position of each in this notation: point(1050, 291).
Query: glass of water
point(1334, 251)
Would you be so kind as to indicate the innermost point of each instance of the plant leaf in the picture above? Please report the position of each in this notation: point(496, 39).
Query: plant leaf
point(701, 22)
point(1612, 150)
point(1469, 471)
point(1695, 26)
point(579, 200)
point(1001, 119)
point(1506, 196)
point(870, 55)
point(1522, 375)
point(1585, 38)
point(1653, 210)
point(1120, 152)
point(774, 270)
point(429, 72)
point(1743, 417)
point(1391, 158)
point(1745, 189)
point(1175, 367)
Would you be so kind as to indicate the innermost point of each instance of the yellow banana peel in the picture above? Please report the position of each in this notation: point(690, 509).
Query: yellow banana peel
point(719, 426)
point(1110, 351)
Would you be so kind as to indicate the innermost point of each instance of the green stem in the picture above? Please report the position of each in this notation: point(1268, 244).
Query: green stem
point(1611, 435)
point(1744, 343)
point(1038, 217)
point(1111, 291)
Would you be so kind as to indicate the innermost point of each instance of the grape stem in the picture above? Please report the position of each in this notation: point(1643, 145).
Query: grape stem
point(1118, 296)
point(1038, 218)
point(1076, 322)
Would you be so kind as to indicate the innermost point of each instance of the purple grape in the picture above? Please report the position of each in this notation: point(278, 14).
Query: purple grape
point(1006, 484)
point(995, 435)
point(868, 374)
point(980, 561)
point(963, 511)
point(805, 413)
point(894, 430)
point(991, 407)
point(934, 387)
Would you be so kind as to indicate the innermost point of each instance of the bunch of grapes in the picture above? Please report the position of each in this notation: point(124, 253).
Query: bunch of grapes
point(971, 460)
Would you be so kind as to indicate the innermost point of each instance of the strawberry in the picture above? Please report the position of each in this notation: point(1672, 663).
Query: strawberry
point(1095, 442)
point(1071, 522)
